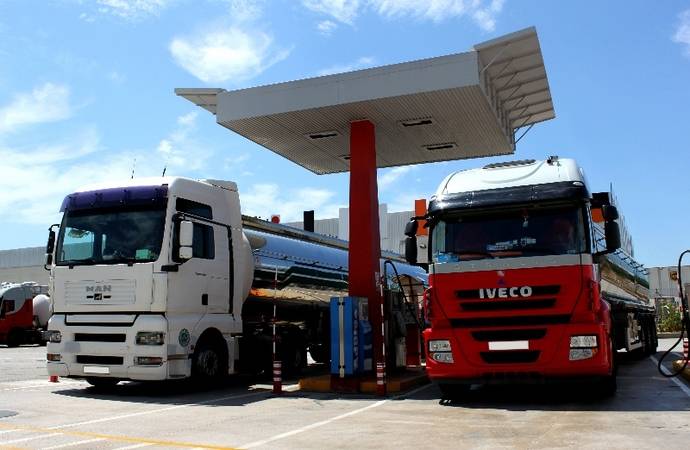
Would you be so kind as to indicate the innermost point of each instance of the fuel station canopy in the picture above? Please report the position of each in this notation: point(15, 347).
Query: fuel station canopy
point(458, 106)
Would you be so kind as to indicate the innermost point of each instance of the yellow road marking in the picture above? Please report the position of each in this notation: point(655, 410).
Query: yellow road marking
point(109, 437)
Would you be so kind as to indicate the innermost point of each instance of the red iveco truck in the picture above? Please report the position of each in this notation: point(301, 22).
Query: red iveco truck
point(530, 279)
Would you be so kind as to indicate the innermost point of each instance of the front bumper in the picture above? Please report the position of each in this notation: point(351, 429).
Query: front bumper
point(84, 353)
point(474, 362)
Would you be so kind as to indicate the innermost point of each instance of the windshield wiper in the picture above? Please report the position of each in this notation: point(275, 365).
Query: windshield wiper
point(544, 250)
point(470, 251)
point(76, 262)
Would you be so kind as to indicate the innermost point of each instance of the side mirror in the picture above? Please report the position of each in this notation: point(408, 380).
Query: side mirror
point(186, 240)
point(50, 247)
point(613, 236)
point(411, 248)
point(609, 212)
point(411, 228)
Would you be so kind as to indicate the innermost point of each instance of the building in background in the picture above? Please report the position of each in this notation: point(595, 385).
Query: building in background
point(391, 227)
point(23, 264)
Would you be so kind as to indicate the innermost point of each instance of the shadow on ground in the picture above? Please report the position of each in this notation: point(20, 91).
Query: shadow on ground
point(640, 388)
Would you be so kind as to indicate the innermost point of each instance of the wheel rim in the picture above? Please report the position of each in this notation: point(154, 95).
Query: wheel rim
point(209, 363)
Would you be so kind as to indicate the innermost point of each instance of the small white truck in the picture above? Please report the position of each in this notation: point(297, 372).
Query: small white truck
point(164, 278)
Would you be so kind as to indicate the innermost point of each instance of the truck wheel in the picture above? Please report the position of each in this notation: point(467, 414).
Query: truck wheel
point(608, 386)
point(453, 391)
point(294, 359)
point(14, 338)
point(210, 362)
point(102, 383)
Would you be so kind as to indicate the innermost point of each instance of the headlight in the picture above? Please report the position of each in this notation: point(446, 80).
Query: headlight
point(148, 360)
point(583, 342)
point(150, 338)
point(53, 336)
point(577, 354)
point(439, 346)
point(443, 357)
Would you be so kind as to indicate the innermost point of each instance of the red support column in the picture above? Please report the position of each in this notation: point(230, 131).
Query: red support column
point(365, 241)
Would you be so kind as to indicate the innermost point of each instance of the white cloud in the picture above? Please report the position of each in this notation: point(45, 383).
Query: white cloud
point(391, 176)
point(326, 27)
point(116, 77)
point(263, 200)
point(246, 10)
point(26, 196)
point(361, 63)
point(81, 161)
point(405, 201)
point(131, 9)
point(179, 150)
point(483, 12)
point(47, 103)
point(485, 17)
point(342, 10)
point(226, 54)
point(682, 35)
point(88, 18)
point(235, 162)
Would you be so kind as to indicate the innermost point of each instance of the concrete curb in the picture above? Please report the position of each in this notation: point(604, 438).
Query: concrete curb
point(668, 335)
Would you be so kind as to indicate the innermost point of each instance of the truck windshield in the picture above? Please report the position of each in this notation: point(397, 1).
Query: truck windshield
point(509, 233)
point(110, 236)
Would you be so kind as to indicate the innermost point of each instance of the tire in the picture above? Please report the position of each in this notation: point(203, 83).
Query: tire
point(102, 383)
point(608, 386)
point(294, 359)
point(210, 362)
point(453, 391)
point(14, 338)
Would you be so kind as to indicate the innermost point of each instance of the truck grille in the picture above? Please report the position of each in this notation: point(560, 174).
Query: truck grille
point(508, 335)
point(510, 321)
point(502, 305)
point(100, 337)
point(95, 359)
point(510, 356)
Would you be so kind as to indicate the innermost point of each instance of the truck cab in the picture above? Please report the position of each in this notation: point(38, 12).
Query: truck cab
point(148, 280)
point(514, 276)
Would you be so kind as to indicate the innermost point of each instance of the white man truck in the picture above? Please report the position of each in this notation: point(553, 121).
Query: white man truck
point(529, 279)
point(164, 279)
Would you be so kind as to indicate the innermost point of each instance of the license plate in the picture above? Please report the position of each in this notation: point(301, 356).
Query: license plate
point(99, 370)
point(509, 345)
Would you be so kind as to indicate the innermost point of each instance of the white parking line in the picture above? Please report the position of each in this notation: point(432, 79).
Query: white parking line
point(332, 419)
point(31, 438)
point(680, 384)
point(72, 444)
point(143, 413)
point(129, 447)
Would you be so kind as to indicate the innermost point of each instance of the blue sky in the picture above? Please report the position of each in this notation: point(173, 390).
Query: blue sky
point(86, 94)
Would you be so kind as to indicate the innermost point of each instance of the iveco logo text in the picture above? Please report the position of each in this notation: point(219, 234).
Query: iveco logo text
point(99, 288)
point(512, 292)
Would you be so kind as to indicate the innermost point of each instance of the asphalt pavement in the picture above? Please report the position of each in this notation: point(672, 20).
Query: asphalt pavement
point(649, 411)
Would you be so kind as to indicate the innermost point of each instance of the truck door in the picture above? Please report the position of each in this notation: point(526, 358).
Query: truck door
point(202, 283)
point(206, 279)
